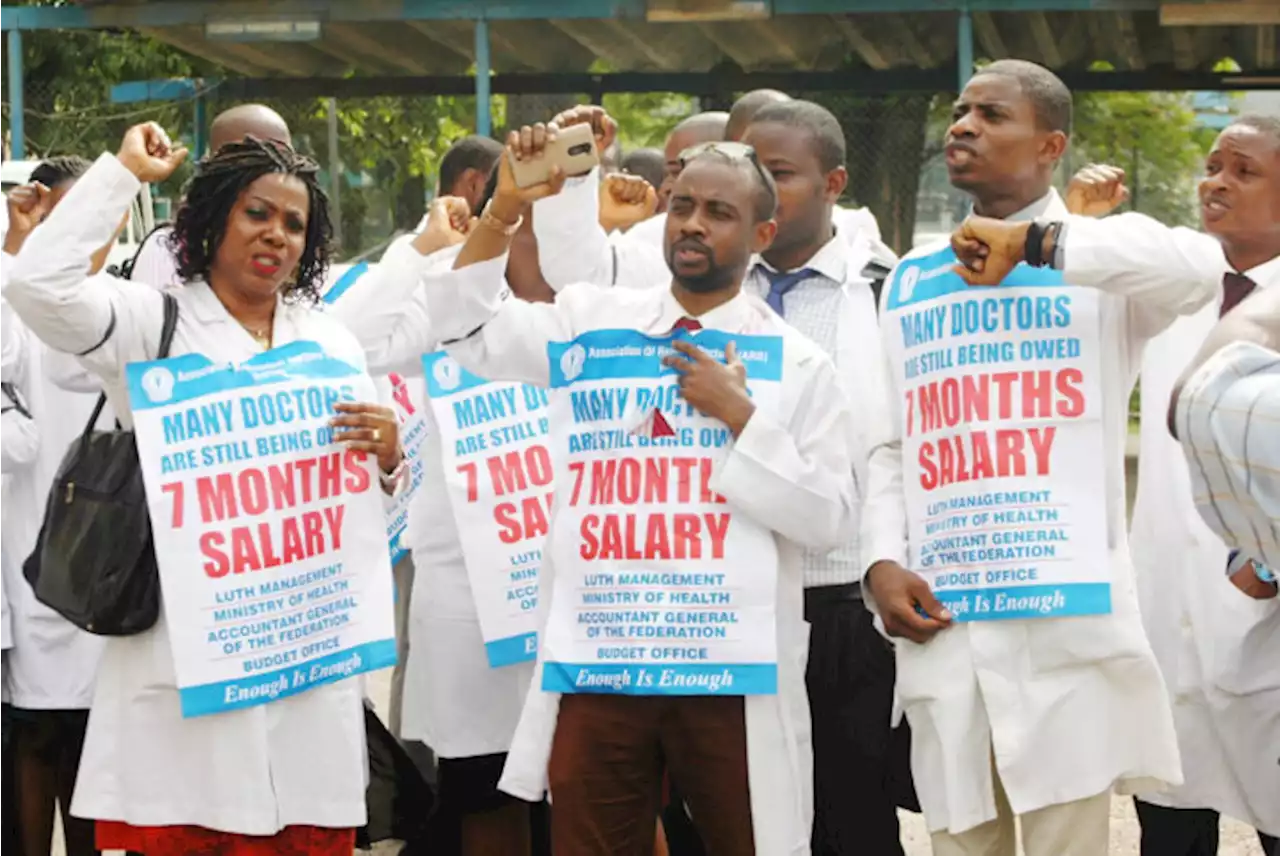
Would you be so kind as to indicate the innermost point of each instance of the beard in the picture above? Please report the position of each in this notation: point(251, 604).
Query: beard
point(713, 277)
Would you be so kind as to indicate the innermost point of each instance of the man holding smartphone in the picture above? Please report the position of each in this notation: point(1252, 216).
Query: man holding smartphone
point(741, 756)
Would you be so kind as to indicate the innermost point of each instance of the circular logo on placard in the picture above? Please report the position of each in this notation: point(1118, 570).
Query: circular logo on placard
point(907, 284)
point(157, 384)
point(571, 362)
point(448, 374)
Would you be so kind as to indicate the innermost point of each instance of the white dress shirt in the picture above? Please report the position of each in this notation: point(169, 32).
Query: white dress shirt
point(791, 473)
point(453, 701)
point(1070, 707)
point(299, 760)
point(836, 309)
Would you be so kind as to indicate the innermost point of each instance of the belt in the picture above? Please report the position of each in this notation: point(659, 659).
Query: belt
point(817, 596)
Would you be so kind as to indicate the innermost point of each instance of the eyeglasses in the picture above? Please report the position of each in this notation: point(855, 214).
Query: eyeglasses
point(731, 150)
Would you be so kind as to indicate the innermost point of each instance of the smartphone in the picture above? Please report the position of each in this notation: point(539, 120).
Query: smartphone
point(573, 150)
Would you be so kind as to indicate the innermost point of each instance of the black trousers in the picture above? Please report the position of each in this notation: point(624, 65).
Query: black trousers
point(468, 786)
point(10, 842)
point(1186, 832)
point(861, 770)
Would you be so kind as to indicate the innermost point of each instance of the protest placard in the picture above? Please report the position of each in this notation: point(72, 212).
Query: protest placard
point(406, 395)
point(1003, 447)
point(270, 537)
point(413, 426)
point(661, 587)
point(498, 471)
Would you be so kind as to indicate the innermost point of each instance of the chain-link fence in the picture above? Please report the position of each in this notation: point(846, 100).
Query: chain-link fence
point(382, 154)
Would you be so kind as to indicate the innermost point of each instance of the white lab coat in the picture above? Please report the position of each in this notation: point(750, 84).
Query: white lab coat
point(453, 701)
point(19, 446)
point(1215, 644)
point(54, 663)
point(1070, 707)
point(299, 760)
point(155, 263)
point(636, 258)
point(792, 474)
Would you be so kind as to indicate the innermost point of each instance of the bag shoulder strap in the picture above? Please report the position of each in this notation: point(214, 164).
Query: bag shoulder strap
point(166, 341)
point(169, 326)
point(15, 398)
point(126, 267)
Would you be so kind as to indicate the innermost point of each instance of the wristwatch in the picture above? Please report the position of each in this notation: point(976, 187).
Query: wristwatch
point(1238, 560)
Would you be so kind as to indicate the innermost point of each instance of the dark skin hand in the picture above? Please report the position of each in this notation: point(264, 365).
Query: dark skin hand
point(714, 388)
point(369, 428)
point(899, 593)
point(1246, 579)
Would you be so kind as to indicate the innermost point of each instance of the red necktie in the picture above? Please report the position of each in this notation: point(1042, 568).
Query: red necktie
point(690, 324)
point(1235, 287)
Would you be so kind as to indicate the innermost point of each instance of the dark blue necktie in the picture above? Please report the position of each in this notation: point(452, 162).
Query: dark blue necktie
point(780, 282)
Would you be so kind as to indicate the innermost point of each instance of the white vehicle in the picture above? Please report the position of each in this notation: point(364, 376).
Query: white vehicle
point(141, 216)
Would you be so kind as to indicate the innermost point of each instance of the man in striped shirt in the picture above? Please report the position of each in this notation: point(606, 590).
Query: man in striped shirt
point(1226, 415)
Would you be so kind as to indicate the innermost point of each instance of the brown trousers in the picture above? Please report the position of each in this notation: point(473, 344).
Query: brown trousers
point(606, 768)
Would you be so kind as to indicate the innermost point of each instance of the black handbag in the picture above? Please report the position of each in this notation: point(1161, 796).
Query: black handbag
point(95, 561)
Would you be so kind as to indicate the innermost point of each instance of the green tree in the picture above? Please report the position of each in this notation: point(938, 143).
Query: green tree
point(68, 77)
point(645, 118)
point(1155, 137)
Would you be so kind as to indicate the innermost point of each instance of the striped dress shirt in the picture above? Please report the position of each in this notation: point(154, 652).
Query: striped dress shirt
point(1228, 421)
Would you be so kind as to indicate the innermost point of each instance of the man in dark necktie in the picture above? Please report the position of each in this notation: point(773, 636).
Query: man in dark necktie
point(1227, 739)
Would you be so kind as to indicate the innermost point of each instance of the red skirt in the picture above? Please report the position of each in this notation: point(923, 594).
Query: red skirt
point(198, 841)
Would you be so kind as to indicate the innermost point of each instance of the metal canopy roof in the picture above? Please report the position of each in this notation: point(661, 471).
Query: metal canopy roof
point(1149, 40)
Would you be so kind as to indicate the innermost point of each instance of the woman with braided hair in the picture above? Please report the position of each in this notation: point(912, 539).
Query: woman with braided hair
point(252, 240)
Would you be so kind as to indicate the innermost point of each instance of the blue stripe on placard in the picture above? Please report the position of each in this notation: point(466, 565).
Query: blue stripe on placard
point(445, 377)
point(291, 680)
point(513, 649)
point(1045, 601)
point(161, 383)
point(928, 277)
point(609, 354)
point(348, 279)
point(674, 680)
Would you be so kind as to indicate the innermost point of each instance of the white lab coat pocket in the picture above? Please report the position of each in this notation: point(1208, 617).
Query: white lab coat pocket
point(1055, 644)
point(1246, 636)
point(927, 672)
